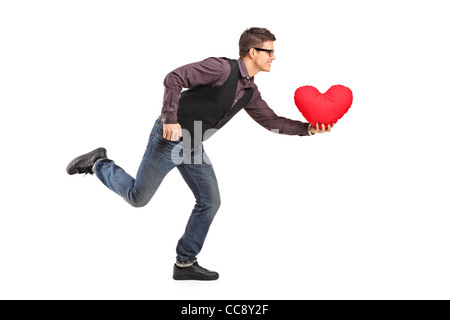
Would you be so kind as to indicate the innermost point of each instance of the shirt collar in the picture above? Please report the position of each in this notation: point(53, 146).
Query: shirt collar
point(242, 68)
point(244, 73)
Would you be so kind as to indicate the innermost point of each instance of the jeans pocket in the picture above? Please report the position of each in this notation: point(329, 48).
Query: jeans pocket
point(160, 133)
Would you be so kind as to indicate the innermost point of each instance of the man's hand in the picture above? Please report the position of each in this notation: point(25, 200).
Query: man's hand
point(172, 132)
point(317, 129)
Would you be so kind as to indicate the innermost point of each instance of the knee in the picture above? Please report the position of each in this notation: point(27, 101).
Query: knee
point(215, 203)
point(218, 203)
point(209, 205)
point(138, 202)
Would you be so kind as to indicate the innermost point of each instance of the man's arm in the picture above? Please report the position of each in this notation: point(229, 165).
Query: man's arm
point(266, 117)
point(211, 71)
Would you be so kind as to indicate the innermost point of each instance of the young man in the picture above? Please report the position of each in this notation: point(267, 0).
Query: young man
point(218, 89)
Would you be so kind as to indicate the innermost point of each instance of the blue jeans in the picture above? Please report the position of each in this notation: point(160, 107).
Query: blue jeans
point(160, 157)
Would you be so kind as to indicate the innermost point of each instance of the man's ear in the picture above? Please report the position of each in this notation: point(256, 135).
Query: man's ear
point(251, 53)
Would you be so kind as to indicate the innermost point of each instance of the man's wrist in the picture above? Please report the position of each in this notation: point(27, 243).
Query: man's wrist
point(309, 130)
point(170, 118)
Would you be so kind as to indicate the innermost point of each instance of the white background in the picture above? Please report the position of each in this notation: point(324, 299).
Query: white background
point(358, 213)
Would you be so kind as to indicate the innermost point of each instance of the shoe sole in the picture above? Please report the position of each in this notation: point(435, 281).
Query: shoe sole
point(190, 277)
point(197, 279)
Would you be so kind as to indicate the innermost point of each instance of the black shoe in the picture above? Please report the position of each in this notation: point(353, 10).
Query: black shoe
point(194, 272)
point(84, 163)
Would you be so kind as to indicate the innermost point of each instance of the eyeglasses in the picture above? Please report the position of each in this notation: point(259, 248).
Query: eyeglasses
point(271, 52)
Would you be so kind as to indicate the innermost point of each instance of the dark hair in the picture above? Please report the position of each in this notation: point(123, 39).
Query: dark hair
point(253, 37)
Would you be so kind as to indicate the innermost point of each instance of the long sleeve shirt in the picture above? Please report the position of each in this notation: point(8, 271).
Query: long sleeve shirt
point(214, 72)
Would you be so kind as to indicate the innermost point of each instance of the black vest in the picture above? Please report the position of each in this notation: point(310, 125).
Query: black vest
point(211, 106)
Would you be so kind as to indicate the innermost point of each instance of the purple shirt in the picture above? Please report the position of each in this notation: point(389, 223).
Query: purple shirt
point(214, 72)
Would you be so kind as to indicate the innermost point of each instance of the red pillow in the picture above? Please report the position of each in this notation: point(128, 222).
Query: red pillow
point(326, 108)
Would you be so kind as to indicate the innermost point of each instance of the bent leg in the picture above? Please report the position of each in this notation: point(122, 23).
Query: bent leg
point(155, 165)
point(202, 180)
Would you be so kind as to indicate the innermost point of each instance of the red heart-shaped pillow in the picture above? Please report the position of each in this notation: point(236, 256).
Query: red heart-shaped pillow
point(323, 108)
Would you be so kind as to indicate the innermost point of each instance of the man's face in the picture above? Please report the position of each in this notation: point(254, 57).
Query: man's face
point(263, 59)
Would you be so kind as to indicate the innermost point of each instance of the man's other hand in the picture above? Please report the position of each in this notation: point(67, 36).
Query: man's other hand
point(172, 132)
point(320, 128)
